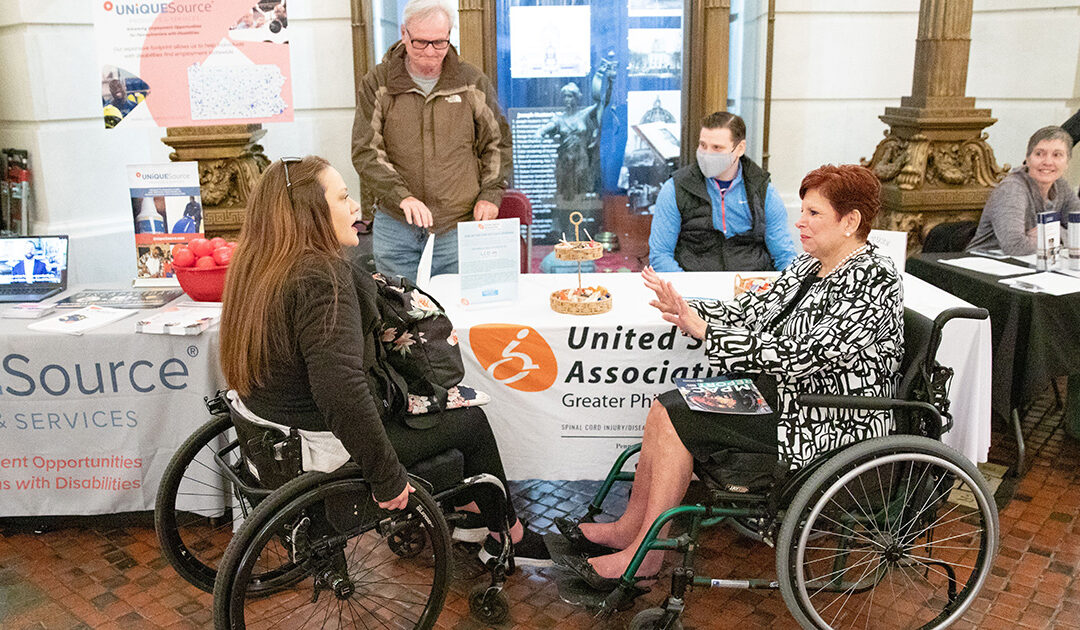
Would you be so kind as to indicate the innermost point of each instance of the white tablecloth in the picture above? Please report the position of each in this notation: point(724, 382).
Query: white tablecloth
point(570, 392)
point(88, 423)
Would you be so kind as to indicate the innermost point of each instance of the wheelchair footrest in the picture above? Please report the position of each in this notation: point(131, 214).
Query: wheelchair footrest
point(574, 590)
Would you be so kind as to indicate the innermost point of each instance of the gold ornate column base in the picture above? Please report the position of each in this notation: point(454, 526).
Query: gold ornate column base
point(935, 166)
point(230, 163)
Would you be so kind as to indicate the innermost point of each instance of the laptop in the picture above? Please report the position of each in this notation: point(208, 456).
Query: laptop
point(32, 267)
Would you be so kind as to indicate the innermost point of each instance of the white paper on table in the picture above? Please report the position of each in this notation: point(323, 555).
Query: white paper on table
point(987, 266)
point(1045, 282)
point(82, 320)
point(489, 261)
point(423, 272)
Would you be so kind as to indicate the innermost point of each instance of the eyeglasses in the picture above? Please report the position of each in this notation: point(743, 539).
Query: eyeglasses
point(285, 162)
point(421, 44)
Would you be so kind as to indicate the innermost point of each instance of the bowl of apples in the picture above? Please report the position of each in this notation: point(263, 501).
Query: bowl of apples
point(200, 267)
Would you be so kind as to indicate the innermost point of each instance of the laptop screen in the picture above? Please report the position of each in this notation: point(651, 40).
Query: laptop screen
point(33, 260)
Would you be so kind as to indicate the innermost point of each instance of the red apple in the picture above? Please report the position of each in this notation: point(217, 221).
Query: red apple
point(222, 255)
point(205, 262)
point(182, 256)
point(217, 242)
point(201, 247)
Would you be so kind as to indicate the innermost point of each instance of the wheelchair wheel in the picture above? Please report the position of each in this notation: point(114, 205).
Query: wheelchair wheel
point(654, 619)
point(882, 536)
point(196, 507)
point(329, 527)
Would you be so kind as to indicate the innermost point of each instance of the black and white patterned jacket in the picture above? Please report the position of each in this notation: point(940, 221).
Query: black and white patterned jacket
point(845, 337)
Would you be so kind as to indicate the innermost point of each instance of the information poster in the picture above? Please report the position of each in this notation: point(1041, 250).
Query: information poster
point(166, 210)
point(489, 260)
point(193, 62)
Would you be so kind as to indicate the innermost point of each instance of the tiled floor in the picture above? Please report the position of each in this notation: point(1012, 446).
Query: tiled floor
point(57, 576)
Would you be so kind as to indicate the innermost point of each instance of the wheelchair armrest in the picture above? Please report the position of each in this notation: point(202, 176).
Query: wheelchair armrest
point(867, 402)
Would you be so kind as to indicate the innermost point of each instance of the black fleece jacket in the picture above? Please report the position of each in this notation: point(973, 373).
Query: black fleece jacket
point(320, 381)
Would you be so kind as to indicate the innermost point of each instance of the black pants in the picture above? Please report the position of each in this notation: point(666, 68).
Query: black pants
point(467, 430)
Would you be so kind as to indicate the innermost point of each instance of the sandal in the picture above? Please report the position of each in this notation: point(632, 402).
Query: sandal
point(571, 531)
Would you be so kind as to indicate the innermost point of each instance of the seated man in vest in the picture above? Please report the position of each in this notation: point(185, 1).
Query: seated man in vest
point(720, 213)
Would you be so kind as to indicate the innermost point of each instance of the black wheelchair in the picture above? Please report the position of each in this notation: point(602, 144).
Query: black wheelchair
point(237, 516)
point(893, 532)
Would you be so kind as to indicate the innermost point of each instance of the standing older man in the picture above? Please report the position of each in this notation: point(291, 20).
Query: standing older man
point(430, 142)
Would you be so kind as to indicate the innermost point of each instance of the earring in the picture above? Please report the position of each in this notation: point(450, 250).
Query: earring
point(847, 233)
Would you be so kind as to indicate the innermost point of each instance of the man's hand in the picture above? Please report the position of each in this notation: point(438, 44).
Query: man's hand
point(416, 213)
point(485, 211)
point(672, 306)
point(400, 501)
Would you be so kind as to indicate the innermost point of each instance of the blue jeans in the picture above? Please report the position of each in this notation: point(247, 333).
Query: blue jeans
point(397, 247)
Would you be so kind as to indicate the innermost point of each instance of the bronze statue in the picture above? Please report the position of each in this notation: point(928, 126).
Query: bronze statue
point(577, 132)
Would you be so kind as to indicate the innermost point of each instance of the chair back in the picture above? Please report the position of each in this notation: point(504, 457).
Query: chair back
point(949, 237)
point(516, 204)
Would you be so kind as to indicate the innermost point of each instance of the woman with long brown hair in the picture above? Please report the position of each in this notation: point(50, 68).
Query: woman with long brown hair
point(297, 341)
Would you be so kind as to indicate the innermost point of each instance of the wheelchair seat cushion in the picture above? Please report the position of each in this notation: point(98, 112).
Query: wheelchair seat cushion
point(733, 471)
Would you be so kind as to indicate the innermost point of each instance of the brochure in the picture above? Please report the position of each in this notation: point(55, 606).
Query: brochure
point(28, 310)
point(121, 298)
point(166, 208)
point(178, 320)
point(722, 395)
point(80, 321)
point(1048, 229)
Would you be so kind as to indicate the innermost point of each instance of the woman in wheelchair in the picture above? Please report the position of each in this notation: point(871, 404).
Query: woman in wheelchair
point(297, 344)
point(831, 323)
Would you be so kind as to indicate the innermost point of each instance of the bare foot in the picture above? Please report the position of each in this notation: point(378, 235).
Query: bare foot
point(606, 534)
point(613, 565)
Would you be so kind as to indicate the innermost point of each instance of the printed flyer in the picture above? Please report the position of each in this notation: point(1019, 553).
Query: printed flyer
point(182, 63)
point(166, 210)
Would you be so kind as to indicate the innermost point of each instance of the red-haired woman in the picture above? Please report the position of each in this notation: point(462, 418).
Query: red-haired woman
point(297, 343)
point(832, 323)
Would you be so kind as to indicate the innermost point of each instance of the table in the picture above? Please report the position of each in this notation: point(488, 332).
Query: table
point(1034, 335)
point(88, 423)
point(570, 392)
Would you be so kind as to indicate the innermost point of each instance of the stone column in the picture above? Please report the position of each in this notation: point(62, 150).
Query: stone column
point(230, 163)
point(934, 163)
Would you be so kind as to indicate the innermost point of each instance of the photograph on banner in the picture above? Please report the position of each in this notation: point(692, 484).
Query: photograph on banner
point(166, 210)
point(655, 52)
point(220, 62)
point(652, 145)
point(489, 261)
point(549, 41)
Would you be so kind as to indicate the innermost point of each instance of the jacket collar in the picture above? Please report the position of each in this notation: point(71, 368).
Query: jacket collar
point(399, 81)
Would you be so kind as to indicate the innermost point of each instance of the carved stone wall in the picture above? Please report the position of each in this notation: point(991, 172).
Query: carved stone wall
point(230, 163)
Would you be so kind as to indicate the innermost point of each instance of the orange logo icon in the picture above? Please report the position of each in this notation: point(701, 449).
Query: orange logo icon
point(514, 355)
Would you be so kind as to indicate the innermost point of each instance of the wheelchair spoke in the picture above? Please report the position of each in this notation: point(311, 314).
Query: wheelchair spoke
point(862, 537)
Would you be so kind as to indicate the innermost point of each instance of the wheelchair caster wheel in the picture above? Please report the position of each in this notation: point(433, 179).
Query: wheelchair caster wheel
point(653, 619)
point(489, 605)
point(407, 542)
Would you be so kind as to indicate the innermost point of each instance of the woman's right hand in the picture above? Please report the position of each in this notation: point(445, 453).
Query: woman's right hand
point(399, 502)
point(672, 306)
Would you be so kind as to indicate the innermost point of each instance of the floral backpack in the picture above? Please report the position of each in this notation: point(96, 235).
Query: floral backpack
point(419, 342)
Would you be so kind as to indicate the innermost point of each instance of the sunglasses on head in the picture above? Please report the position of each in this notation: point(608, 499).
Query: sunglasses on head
point(285, 162)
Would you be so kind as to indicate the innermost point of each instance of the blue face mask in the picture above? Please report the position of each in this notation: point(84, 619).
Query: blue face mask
point(713, 164)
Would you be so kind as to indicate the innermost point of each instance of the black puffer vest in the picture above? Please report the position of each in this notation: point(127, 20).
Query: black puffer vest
point(701, 247)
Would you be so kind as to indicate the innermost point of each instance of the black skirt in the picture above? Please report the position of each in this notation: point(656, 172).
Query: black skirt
point(704, 433)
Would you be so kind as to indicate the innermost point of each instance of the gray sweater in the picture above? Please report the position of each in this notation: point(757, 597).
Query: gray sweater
point(1010, 212)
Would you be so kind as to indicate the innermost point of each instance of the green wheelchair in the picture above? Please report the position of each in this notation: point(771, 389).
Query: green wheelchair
point(894, 532)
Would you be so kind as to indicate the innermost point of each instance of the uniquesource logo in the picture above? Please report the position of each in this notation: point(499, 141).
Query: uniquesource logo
point(514, 355)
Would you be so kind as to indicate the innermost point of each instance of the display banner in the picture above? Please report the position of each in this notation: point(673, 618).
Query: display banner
point(88, 424)
point(166, 210)
point(182, 63)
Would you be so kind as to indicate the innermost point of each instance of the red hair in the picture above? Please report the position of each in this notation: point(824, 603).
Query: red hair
point(847, 187)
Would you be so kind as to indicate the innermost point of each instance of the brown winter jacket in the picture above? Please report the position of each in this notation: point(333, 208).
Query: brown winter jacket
point(448, 150)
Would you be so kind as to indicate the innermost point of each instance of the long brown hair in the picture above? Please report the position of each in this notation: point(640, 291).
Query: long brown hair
point(278, 234)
